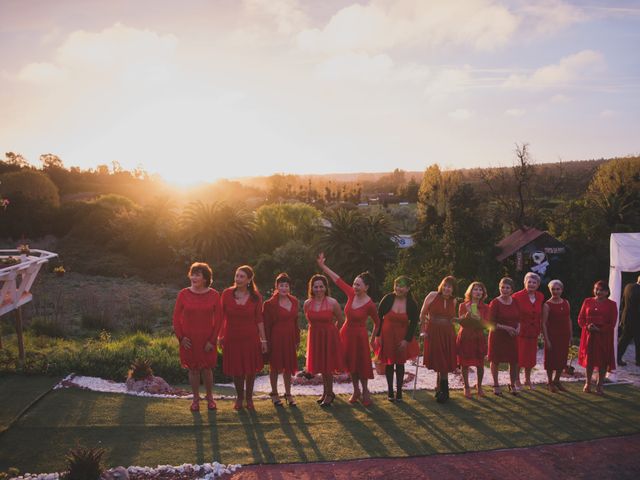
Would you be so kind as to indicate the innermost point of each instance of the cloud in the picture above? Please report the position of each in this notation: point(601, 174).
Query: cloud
point(608, 113)
point(543, 17)
point(356, 66)
point(461, 114)
point(515, 112)
point(386, 24)
point(40, 73)
point(567, 71)
point(448, 81)
point(286, 15)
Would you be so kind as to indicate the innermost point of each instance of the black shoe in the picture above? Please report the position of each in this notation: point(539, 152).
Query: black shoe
point(390, 397)
point(622, 363)
point(399, 396)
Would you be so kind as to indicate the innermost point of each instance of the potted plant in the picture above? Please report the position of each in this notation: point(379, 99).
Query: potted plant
point(573, 354)
point(59, 271)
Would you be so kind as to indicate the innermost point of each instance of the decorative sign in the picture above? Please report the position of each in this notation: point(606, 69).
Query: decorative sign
point(17, 274)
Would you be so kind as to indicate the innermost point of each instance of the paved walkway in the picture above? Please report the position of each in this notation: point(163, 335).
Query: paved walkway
point(615, 457)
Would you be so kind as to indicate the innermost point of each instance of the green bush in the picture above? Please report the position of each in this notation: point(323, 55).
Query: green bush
point(40, 326)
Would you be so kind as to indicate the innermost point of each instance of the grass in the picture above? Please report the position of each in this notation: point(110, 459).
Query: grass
point(142, 431)
point(17, 393)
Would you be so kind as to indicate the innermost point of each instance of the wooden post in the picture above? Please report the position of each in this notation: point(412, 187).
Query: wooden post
point(19, 334)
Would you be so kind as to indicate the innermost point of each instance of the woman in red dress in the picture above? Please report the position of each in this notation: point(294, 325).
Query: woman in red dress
point(280, 314)
point(395, 337)
point(504, 318)
point(558, 332)
point(440, 339)
point(530, 302)
point(356, 342)
point(242, 337)
point(324, 350)
point(597, 318)
point(196, 320)
point(471, 342)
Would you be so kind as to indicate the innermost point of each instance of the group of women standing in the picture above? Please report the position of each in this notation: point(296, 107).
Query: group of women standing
point(250, 332)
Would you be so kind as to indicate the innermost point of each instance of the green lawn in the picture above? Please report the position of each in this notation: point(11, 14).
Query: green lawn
point(140, 431)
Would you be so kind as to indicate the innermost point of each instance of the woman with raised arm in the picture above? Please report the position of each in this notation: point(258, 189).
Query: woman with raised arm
point(471, 342)
point(437, 316)
point(324, 350)
point(242, 338)
point(597, 318)
point(530, 302)
point(356, 342)
point(558, 332)
point(196, 321)
point(504, 318)
point(283, 336)
point(396, 342)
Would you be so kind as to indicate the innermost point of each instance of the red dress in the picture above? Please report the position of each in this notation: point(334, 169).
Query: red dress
point(242, 349)
point(596, 348)
point(440, 339)
point(324, 350)
point(197, 317)
point(559, 332)
point(283, 334)
point(471, 343)
point(354, 335)
point(502, 346)
point(530, 325)
point(394, 330)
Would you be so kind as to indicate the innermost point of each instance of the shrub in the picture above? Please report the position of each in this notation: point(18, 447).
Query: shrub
point(47, 327)
point(84, 463)
point(140, 369)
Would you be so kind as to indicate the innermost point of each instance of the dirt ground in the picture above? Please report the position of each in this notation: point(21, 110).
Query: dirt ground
point(617, 457)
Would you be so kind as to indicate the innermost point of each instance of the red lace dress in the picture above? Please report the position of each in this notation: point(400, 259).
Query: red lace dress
point(242, 353)
point(324, 350)
point(471, 343)
point(559, 332)
point(197, 316)
point(530, 325)
point(440, 339)
point(596, 348)
point(502, 346)
point(283, 334)
point(354, 335)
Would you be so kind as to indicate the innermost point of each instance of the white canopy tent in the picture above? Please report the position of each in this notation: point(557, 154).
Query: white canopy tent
point(625, 257)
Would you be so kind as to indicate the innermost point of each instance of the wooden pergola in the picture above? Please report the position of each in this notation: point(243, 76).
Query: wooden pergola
point(15, 285)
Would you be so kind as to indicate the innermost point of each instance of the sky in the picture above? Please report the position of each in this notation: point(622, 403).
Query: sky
point(199, 90)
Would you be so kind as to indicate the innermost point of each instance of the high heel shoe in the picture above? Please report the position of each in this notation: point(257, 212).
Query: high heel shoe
point(328, 400)
point(275, 398)
point(321, 399)
point(290, 400)
point(250, 405)
point(513, 390)
point(497, 391)
point(211, 404)
point(355, 397)
point(237, 405)
point(195, 406)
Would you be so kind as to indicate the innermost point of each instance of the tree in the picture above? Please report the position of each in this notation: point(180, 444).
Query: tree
point(51, 161)
point(614, 192)
point(276, 224)
point(16, 160)
point(217, 230)
point(354, 242)
point(31, 185)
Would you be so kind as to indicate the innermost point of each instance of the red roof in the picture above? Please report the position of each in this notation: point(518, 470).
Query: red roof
point(517, 240)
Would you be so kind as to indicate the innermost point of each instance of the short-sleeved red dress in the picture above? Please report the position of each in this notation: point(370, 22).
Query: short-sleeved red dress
point(242, 352)
point(440, 339)
point(324, 350)
point(596, 348)
point(354, 335)
point(502, 346)
point(283, 334)
point(471, 342)
point(197, 316)
point(559, 332)
point(530, 325)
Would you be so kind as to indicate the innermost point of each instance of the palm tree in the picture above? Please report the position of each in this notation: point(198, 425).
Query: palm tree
point(215, 230)
point(355, 242)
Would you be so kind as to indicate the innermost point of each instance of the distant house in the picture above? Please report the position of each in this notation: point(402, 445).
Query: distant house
point(531, 250)
point(403, 241)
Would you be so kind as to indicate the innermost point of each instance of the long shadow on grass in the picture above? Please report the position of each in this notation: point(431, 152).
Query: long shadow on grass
point(213, 434)
point(288, 430)
point(360, 431)
point(131, 407)
point(301, 424)
point(256, 439)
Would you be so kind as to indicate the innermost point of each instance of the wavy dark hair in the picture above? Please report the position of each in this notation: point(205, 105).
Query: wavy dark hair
point(204, 269)
point(251, 286)
point(315, 278)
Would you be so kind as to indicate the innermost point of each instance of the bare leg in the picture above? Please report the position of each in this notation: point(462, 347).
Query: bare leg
point(207, 376)
point(494, 374)
point(329, 395)
point(465, 379)
point(514, 375)
point(194, 380)
point(527, 378)
point(250, 379)
point(324, 388)
point(286, 376)
point(366, 398)
point(238, 382)
point(273, 379)
point(480, 375)
point(602, 372)
point(587, 383)
point(356, 388)
point(517, 380)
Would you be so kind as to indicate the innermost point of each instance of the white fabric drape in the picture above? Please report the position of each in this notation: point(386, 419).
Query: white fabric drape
point(625, 257)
